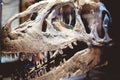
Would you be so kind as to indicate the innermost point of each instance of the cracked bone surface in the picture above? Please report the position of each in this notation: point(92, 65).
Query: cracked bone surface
point(60, 24)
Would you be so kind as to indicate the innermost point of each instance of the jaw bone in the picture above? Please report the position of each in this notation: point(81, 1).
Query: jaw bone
point(75, 66)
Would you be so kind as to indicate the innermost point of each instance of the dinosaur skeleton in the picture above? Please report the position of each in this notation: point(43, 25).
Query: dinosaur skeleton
point(75, 33)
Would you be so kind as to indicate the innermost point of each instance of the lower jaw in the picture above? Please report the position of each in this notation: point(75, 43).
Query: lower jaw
point(72, 62)
point(81, 62)
point(65, 65)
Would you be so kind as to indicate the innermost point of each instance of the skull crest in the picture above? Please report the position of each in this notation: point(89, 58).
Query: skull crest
point(71, 35)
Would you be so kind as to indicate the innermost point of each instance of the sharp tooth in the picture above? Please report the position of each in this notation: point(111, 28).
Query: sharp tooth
point(64, 60)
point(75, 43)
point(10, 55)
point(70, 45)
point(38, 74)
point(7, 55)
point(60, 51)
point(45, 54)
point(61, 63)
point(51, 69)
point(42, 62)
point(17, 54)
point(41, 72)
point(44, 70)
point(55, 53)
point(45, 60)
point(30, 58)
point(51, 53)
point(63, 47)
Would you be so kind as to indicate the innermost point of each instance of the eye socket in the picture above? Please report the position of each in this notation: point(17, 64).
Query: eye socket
point(66, 14)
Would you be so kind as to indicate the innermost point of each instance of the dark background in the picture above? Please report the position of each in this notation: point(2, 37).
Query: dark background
point(113, 53)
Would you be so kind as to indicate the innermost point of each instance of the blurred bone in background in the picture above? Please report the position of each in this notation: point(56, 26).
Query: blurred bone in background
point(10, 8)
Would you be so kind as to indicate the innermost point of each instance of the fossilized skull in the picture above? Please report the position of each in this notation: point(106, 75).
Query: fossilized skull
point(70, 34)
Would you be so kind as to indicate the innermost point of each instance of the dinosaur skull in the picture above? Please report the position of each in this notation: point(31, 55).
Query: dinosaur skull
point(70, 34)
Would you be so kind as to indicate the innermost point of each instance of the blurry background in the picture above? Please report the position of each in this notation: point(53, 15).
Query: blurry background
point(113, 54)
point(12, 7)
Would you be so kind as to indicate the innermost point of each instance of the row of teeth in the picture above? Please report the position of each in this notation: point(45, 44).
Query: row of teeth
point(10, 57)
point(52, 55)
point(42, 69)
point(59, 51)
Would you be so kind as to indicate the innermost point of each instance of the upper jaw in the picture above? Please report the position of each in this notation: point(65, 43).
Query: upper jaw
point(42, 43)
